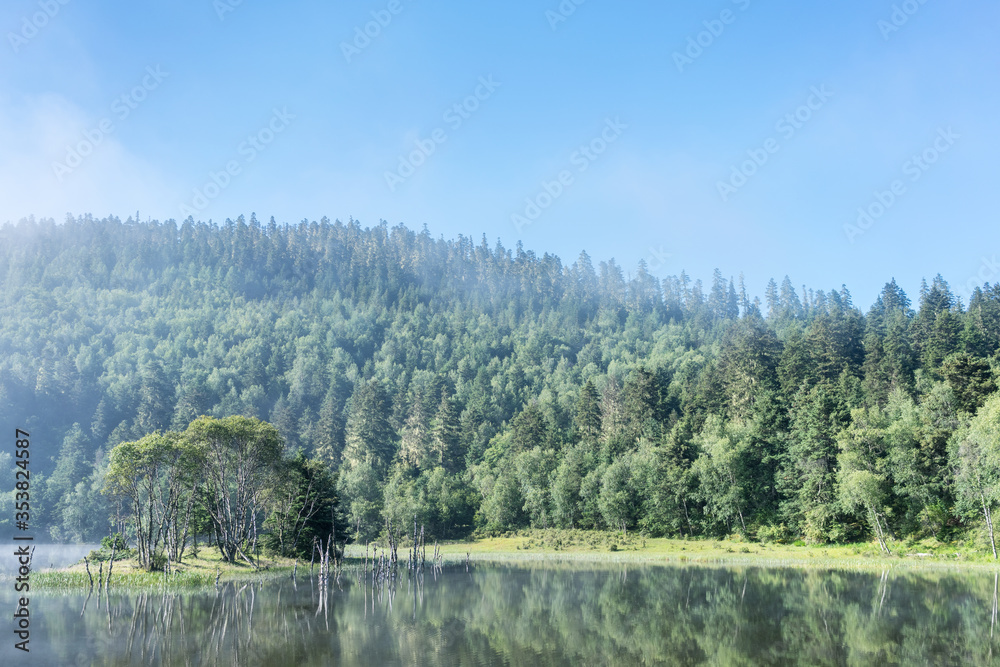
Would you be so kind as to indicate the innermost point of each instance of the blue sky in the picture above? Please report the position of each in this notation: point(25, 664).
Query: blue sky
point(737, 134)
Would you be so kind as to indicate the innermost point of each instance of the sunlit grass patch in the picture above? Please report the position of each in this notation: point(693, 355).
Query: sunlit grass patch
point(597, 546)
point(130, 579)
point(193, 571)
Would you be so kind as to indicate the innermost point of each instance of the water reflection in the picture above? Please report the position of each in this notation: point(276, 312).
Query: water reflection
point(545, 614)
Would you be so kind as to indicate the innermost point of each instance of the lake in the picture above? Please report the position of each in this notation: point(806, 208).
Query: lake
point(535, 613)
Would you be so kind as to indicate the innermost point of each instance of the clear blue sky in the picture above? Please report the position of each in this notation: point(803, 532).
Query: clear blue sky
point(332, 113)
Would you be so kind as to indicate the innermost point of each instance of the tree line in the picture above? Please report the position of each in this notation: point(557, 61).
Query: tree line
point(483, 388)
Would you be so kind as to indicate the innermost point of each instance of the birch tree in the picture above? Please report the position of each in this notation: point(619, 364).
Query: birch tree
point(864, 479)
point(975, 458)
point(241, 461)
point(155, 476)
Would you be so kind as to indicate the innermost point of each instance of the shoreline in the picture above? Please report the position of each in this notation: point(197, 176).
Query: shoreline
point(589, 547)
point(555, 547)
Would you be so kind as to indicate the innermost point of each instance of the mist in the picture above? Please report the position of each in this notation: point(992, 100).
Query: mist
point(48, 557)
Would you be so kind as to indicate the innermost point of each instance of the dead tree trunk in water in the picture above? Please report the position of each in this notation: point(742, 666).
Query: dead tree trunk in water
point(413, 557)
point(87, 565)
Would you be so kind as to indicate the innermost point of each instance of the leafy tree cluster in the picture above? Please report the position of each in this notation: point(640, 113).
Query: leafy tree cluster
point(232, 472)
point(469, 386)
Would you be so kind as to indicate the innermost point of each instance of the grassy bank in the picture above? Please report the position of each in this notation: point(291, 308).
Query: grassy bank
point(194, 571)
point(558, 545)
point(527, 545)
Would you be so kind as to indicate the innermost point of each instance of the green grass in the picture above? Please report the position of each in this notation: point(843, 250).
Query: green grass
point(192, 572)
point(563, 545)
point(594, 546)
point(134, 579)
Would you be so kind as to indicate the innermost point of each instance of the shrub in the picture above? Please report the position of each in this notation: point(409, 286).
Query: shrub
point(158, 562)
point(777, 534)
point(117, 543)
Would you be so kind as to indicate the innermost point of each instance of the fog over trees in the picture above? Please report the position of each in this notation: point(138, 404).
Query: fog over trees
point(478, 388)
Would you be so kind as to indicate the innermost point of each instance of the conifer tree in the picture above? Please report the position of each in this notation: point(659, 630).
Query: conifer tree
point(587, 421)
point(369, 437)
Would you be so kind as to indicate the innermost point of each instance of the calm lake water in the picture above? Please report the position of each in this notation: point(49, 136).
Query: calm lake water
point(535, 614)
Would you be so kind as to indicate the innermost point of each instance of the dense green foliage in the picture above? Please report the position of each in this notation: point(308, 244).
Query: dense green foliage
point(476, 387)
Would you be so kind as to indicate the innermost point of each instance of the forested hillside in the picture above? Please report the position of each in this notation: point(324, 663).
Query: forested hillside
point(486, 388)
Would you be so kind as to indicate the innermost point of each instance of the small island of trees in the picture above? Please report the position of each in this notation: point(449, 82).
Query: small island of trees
point(226, 478)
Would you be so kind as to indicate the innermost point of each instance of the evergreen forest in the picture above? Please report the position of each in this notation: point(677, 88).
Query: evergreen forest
point(481, 389)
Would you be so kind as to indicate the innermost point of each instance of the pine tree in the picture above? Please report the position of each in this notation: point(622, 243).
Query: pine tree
point(529, 429)
point(615, 438)
point(744, 301)
point(937, 327)
point(747, 364)
point(790, 304)
point(369, 437)
point(718, 297)
point(156, 396)
point(447, 436)
point(640, 402)
point(796, 364)
point(808, 477)
point(415, 436)
point(970, 378)
point(771, 298)
point(733, 302)
point(328, 434)
point(587, 421)
point(71, 468)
